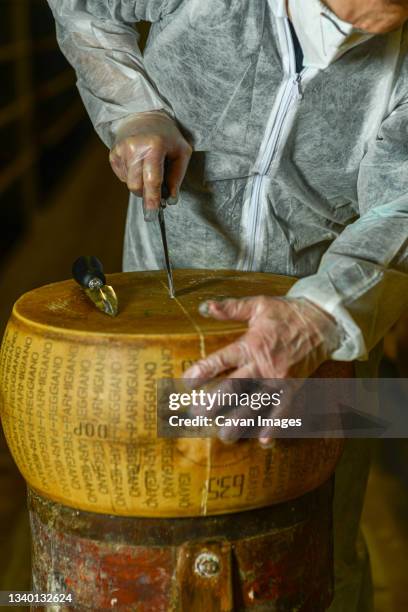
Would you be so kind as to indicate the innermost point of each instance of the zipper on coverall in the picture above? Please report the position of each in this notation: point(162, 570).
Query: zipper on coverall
point(290, 90)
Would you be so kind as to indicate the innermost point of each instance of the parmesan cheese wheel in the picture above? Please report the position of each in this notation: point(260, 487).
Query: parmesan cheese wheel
point(78, 401)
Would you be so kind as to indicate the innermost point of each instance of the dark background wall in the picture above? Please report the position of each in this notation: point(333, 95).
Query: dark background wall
point(42, 122)
point(58, 195)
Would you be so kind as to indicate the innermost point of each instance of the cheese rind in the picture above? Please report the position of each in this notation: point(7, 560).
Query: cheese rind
point(79, 401)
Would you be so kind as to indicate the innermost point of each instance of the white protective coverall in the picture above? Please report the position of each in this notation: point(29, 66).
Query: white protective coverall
point(303, 174)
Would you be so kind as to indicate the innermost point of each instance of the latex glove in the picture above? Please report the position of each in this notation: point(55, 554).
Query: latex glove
point(149, 150)
point(286, 338)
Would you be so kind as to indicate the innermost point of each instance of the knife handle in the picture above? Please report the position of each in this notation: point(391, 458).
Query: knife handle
point(150, 214)
point(87, 271)
point(165, 191)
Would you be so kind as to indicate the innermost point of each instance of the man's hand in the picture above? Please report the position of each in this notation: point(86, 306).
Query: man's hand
point(150, 148)
point(286, 338)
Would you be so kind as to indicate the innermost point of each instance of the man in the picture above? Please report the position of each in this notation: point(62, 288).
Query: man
point(299, 168)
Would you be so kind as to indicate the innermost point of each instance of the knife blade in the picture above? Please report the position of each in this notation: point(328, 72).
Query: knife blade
point(169, 271)
point(162, 224)
point(87, 270)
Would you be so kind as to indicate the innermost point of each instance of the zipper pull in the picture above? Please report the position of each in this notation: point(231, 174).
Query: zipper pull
point(298, 83)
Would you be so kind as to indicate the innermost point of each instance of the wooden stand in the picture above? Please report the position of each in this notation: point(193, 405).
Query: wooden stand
point(275, 558)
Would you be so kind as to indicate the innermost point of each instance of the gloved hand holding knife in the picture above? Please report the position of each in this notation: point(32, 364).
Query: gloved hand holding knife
point(149, 151)
point(151, 156)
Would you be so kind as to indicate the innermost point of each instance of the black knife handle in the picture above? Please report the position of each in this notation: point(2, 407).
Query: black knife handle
point(86, 269)
point(165, 191)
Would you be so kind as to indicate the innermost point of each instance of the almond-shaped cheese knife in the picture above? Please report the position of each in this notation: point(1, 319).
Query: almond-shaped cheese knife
point(87, 270)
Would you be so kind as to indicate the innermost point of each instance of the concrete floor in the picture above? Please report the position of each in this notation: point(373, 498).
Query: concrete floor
point(87, 217)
